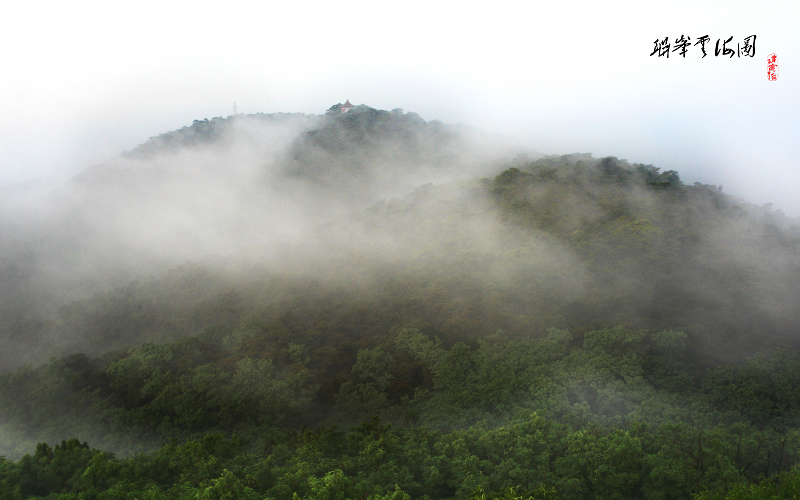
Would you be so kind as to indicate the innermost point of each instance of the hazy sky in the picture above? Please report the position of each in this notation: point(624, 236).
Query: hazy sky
point(83, 81)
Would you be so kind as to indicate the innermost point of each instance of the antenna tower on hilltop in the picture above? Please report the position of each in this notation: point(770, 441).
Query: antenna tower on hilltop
point(234, 108)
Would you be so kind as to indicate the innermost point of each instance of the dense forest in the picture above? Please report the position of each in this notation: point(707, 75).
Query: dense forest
point(369, 305)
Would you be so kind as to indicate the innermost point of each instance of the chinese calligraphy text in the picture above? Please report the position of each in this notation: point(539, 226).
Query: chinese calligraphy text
point(724, 47)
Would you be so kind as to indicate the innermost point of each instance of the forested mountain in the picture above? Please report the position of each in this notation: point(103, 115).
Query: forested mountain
point(221, 193)
point(366, 304)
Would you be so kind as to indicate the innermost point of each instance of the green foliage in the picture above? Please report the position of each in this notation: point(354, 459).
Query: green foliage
point(567, 359)
point(536, 458)
point(418, 345)
point(764, 389)
point(373, 365)
point(612, 420)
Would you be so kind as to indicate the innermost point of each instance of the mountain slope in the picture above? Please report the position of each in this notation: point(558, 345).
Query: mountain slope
point(565, 327)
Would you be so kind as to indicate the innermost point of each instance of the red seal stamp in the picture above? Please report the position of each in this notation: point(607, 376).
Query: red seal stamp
point(772, 67)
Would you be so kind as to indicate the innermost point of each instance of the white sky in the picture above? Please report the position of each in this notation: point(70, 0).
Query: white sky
point(83, 81)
